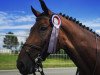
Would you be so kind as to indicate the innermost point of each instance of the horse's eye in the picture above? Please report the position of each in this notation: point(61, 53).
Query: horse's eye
point(43, 28)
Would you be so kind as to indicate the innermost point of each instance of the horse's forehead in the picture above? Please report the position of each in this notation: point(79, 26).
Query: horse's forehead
point(42, 18)
point(40, 21)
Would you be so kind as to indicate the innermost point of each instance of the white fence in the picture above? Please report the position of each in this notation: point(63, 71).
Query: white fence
point(5, 51)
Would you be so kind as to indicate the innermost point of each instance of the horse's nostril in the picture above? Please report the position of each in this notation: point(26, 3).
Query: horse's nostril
point(21, 66)
point(24, 68)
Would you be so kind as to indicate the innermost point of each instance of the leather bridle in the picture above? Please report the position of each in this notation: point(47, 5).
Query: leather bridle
point(38, 61)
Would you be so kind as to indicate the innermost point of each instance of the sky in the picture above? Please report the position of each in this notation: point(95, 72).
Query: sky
point(16, 15)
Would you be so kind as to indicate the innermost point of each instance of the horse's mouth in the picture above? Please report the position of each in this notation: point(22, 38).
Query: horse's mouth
point(25, 69)
point(26, 72)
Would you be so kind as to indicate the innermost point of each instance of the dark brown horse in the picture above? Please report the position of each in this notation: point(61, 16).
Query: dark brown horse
point(79, 42)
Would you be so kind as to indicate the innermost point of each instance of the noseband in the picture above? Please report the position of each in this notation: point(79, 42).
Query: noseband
point(38, 61)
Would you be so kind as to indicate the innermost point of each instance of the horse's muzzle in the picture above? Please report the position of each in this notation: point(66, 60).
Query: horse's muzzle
point(24, 68)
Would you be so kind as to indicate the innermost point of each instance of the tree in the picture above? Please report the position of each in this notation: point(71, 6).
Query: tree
point(10, 41)
point(21, 45)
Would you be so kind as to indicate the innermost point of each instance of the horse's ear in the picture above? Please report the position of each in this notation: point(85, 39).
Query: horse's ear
point(35, 12)
point(45, 8)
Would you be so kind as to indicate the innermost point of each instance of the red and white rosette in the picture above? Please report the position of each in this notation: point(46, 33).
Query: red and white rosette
point(56, 21)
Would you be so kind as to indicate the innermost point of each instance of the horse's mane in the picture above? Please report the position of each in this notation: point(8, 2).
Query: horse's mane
point(80, 24)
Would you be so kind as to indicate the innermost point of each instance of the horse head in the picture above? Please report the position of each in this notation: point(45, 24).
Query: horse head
point(37, 41)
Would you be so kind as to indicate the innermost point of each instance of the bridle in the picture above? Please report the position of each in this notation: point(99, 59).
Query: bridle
point(38, 61)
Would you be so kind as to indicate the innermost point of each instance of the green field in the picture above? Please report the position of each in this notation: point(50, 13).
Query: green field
point(8, 61)
point(58, 63)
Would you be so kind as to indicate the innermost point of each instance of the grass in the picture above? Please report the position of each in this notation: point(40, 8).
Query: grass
point(58, 63)
point(8, 61)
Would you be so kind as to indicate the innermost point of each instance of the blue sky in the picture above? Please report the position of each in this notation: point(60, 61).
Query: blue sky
point(76, 8)
point(16, 15)
point(83, 10)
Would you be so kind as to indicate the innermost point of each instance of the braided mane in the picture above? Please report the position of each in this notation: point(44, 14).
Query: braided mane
point(80, 24)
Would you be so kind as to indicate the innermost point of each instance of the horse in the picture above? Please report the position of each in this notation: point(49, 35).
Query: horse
point(80, 43)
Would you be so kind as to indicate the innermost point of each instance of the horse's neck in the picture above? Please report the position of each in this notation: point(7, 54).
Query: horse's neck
point(79, 43)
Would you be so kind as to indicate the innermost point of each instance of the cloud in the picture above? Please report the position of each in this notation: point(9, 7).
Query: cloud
point(28, 26)
point(1, 41)
point(16, 21)
point(26, 18)
point(98, 31)
point(20, 23)
point(92, 23)
point(4, 20)
point(3, 13)
point(21, 35)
